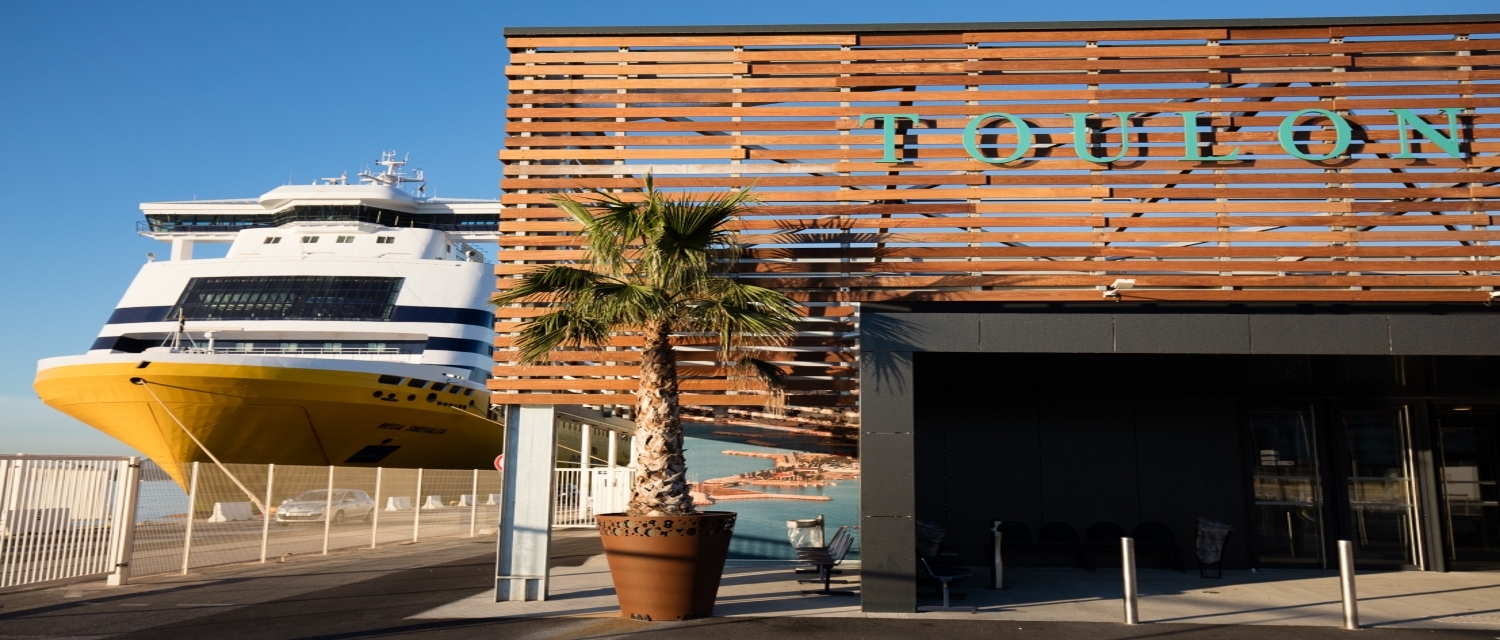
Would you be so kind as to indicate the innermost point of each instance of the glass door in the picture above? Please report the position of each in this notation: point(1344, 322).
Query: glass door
point(1378, 487)
point(1288, 492)
point(1469, 449)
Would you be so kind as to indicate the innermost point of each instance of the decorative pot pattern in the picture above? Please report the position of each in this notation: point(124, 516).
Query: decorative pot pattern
point(667, 568)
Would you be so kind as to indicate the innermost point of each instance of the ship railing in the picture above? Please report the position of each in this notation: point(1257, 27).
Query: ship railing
point(346, 353)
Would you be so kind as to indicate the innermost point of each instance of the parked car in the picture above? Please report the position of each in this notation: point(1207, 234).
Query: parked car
point(348, 504)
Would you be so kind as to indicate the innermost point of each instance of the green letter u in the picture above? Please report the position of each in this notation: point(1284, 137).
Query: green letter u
point(1081, 136)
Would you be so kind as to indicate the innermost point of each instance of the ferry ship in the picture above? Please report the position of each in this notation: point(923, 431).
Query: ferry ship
point(348, 324)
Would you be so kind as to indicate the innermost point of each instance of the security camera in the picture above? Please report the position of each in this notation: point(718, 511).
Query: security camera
point(1114, 288)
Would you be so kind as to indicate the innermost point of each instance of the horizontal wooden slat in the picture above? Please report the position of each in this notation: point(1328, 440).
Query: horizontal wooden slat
point(836, 227)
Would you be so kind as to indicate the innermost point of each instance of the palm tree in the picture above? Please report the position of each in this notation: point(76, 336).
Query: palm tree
point(656, 266)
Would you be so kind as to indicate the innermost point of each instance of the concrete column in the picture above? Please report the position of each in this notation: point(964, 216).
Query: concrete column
point(887, 496)
point(182, 249)
point(526, 505)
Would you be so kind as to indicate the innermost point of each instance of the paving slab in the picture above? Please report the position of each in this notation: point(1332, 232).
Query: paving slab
point(1468, 601)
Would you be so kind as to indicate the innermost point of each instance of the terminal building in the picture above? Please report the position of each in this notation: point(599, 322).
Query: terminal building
point(1075, 275)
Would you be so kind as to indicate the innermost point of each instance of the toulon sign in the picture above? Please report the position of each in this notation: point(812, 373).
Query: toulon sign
point(1406, 122)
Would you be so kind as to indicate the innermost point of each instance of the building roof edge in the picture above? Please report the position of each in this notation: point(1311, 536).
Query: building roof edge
point(933, 27)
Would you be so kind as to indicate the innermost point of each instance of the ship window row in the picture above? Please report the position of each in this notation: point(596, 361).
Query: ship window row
point(418, 383)
point(288, 298)
point(440, 315)
point(170, 222)
point(138, 343)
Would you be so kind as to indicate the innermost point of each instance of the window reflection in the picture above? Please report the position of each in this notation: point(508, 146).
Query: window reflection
point(1288, 494)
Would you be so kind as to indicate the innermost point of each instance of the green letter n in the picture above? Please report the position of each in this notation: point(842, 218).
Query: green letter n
point(1405, 118)
point(888, 122)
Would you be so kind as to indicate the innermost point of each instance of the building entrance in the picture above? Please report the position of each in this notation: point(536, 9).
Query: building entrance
point(1469, 464)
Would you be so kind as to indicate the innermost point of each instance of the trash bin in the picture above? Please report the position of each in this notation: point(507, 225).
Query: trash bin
point(1212, 535)
point(805, 533)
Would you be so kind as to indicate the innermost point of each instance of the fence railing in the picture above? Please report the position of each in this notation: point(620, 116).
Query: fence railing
point(61, 517)
point(584, 493)
point(312, 510)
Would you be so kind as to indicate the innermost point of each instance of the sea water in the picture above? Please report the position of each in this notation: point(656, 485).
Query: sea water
point(760, 531)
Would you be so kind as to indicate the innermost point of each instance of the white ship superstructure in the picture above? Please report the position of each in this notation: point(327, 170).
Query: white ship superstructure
point(347, 324)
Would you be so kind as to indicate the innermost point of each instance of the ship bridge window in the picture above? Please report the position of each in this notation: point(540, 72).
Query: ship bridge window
point(271, 240)
point(288, 298)
point(309, 239)
point(416, 383)
point(345, 239)
point(389, 380)
point(385, 239)
point(438, 386)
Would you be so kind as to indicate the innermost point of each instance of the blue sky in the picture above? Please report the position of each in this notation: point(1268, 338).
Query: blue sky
point(106, 105)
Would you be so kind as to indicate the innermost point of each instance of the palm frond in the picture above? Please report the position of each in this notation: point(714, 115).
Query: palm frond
point(769, 378)
point(561, 281)
point(564, 327)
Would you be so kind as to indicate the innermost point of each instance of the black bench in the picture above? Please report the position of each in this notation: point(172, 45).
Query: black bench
point(825, 559)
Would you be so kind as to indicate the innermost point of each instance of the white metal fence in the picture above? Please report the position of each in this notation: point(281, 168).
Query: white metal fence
point(584, 493)
point(60, 517)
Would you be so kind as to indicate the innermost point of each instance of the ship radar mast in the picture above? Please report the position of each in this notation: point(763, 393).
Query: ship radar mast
point(394, 175)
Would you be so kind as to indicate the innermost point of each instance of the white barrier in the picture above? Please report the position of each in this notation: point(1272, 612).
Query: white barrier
point(230, 512)
point(466, 500)
point(433, 502)
point(66, 517)
point(493, 501)
point(398, 503)
point(26, 521)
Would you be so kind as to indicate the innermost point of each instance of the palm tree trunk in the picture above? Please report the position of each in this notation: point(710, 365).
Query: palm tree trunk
point(661, 472)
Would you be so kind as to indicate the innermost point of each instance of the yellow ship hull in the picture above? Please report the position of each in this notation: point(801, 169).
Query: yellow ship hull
point(278, 411)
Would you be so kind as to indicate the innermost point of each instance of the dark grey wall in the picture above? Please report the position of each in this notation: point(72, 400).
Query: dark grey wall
point(1036, 458)
point(889, 335)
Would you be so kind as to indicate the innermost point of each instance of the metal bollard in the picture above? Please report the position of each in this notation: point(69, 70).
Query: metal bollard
point(1127, 570)
point(997, 572)
point(1346, 584)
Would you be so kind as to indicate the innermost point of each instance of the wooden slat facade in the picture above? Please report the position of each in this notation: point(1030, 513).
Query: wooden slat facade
point(1382, 221)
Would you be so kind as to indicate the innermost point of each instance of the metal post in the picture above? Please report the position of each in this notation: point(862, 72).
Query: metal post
point(187, 540)
point(585, 471)
point(265, 515)
point(614, 447)
point(416, 509)
point(1127, 569)
point(328, 510)
point(474, 503)
point(124, 531)
point(997, 572)
point(1346, 584)
point(375, 521)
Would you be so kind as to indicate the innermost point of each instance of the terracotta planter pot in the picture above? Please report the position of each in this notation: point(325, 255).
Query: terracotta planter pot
point(667, 568)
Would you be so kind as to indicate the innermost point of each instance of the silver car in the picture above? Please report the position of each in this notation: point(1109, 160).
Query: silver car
point(348, 504)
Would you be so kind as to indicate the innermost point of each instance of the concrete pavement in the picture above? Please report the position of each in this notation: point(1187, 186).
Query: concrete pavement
point(401, 592)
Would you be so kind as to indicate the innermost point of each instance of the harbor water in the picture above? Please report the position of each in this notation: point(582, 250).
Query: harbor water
point(760, 531)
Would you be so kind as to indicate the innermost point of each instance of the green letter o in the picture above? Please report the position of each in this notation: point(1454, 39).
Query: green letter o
point(1023, 137)
point(1340, 127)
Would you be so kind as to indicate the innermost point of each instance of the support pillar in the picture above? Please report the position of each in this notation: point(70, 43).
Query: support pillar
point(526, 506)
point(887, 500)
point(585, 468)
point(182, 249)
